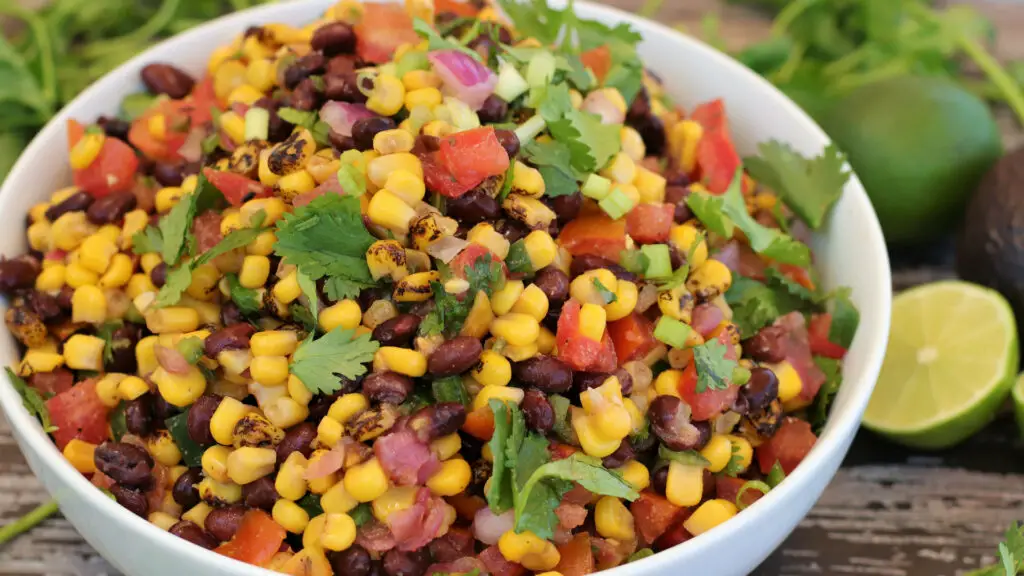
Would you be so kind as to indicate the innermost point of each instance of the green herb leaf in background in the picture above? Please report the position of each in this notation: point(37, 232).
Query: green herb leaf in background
point(32, 400)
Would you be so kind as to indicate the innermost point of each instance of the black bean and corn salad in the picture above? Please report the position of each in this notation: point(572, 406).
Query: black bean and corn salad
point(434, 289)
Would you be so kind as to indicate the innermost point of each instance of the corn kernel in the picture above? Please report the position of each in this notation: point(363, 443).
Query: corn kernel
point(613, 519)
point(402, 360)
point(80, 454)
point(86, 150)
point(290, 516)
point(88, 304)
point(685, 484)
point(345, 314)
point(274, 343)
point(492, 370)
point(708, 515)
point(451, 479)
point(366, 481)
point(82, 352)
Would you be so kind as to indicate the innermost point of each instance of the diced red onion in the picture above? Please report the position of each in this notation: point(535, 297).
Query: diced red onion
point(171, 360)
point(327, 464)
point(340, 116)
point(729, 255)
point(447, 248)
point(464, 77)
point(192, 149)
point(598, 102)
point(706, 317)
point(488, 527)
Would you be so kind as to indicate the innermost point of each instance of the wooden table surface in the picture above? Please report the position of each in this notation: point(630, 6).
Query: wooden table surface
point(888, 512)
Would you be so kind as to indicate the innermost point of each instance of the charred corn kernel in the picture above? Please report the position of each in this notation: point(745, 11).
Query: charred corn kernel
point(273, 343)
point(167, 197)
point(379, 169)
point(685, 484)
point(163, 449)
point(118, 273)
point(367, 481)
point(163, 520)
point(710, 279)
point(145, 355)
point(593, 320)
point(269, 370)
point(415, 287)
point(248, 464)
point(446, 447)
point(541, 249)
point(626, 295)
point(492, 370)
point(172, 319)
point(479, 318)
point(532, 302)
point(227, 77)
point(688, 133)
point(329, 432)
point(255, 429)
point(70, 229)
point(451, 479)
point(506, 394)
point(82, 352)
point(52, 278)
point(215, 463)
point(419, 79)
point(267, 177)
point(80, 454)
point(650, 185)
point(197, 514)
point(388, 95)
point(621, 169)
point(584, 287)
point(391, 212)
point(345, 314)
point(485, 235)
point(88, 304)
point(428, 97)
point(86, 150)
point(204, 282)
point(272, 208)
point(790, 383)
point(244, 94)
point(233, 126)
point(261, 74)
point(636, 474)
point(290, 516)
point(349, 405)
point(677, 303)
point(395, 499)
point(339, 532)
point(387, 259)
point(222, 423)
point(76, 275)
point(708, 515)
point(632, 143)
point(516, 329)
point(180, 389)
point(405, 185)
point(219, 493)
point(298, 182)
point(529, 211)
point(613, 519)
point(42, 360)
point(528, 549)
point(717, 452)
point(527, 181)
point(132, 387)
point(337, 500)
point(742, 453)
point(502, 300)
point(287, 289)
point(255, 271)
point(393, 141)
point(290, 482)
point(402, 360)
point(39, 236)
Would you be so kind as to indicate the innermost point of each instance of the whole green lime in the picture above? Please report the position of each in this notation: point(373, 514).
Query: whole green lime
point(920, 145)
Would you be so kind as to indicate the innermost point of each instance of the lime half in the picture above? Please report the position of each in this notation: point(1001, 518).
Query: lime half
point(950, 364)
point(1018, 402)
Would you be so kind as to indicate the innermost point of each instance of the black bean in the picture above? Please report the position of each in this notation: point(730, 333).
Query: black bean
point(63, 296)
point(43, 304)
point(138, 415)
point(334, 38)
point(131, 498)
point(186, 488)
point(659, 480)
point(305, 96)
point(426, 143)
point(189, 531)
point(512, 230)
point(167, 79)
point(260, 493)
point(114, 127)
point(549, 374)
point(230, 314)
point(339, 142)
point(625, 380)
point(567, 207)
point(509, 141)
point(125, 463)
point(234, 337)
point(455, 356)
point(342, 64)
point(584, 381)
point(389, 387)
point(768, 345)
point(77, 202)
point(586, 262)
point(670, 424)
point(441, 419)
point(296, 439)
point(621, 455)
point(162, 410)
point(199, 416)
point(222, 523)
point(158, 275)
point(537, 410)
point(355, 561)
point(553, 283)
point(397, 331)
point(398, 563)
point(364, 130)
point(111, 208)
point(493, 110)
point(123, 342)
point(312, 63)
point(473, 207)
point(761, 389)
point(344, 87)
point(677, 195)
point(167, 174)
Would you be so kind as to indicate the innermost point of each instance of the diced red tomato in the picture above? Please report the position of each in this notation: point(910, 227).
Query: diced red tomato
point(653, 515)
point(468, 258)
point(711, 115)
point(237, 189)
point(797, 274)
point(257, 540)
point(180, 118)
point(599, 60)
point(472, 156)
point(497, 565)
point(817, 333)
point(457, 7)
point(206, 229)
point(78, 413)
point(466, 506)
point(52, 383)
point(480, 424)
point(710, 402)
point(595, 234)
point(383, 28)
point(790, 444)
point(203, 98)
point(727, 487)
point(560, 451)
point(577, 558)
point(438, 179)
point(675, 535)
point(578, 351)
point(633, 337)
point(718, 161)
point(650, 223)
point(113, 170)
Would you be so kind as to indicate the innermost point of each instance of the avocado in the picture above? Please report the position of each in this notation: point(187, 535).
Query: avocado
point(919, 145)
point(990, 248)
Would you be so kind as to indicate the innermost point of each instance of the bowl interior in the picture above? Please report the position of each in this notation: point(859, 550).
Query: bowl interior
point(850, 250)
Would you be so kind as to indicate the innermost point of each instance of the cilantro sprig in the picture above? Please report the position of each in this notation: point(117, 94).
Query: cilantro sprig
point(809, 186)
point(714, 370)
point(170, 237)
point(450, 311)
point(321, 363)
point(32, 400)
point(1011, 554)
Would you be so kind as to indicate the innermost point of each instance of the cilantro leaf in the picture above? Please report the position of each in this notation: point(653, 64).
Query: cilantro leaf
point(685, 457)
point(32, 400)
point(710, 210)
point(557, 103)
point(518, 259)
point(756, 305)
point(677, 279)
point(554, 162)
point(734, 467)
point(327, 237)
point(845, 318)
point(818, 414)
point(560, 406)
point(361, 514)
point(247, 299)
point(450, 389)
point(175, 225)
point(531, 454)
point(714, 370)
point(449, 311)
point(500, 493)
point(308, 287)
point(106, 332)
point(534, 18)
point(809, 186)
point(591, 142)
point(303, 118)
point(634, 261)
point(777, 279)
point(149, 239)
point(436, 42)
point(320, 363)
point(606, 295)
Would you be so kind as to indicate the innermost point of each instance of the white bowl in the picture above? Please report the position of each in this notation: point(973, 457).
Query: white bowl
point(850, 252)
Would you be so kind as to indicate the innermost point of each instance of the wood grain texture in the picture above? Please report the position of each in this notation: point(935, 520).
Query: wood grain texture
point(888, 512)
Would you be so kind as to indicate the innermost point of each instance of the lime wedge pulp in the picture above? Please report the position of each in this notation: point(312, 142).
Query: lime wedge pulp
point(950, 364)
